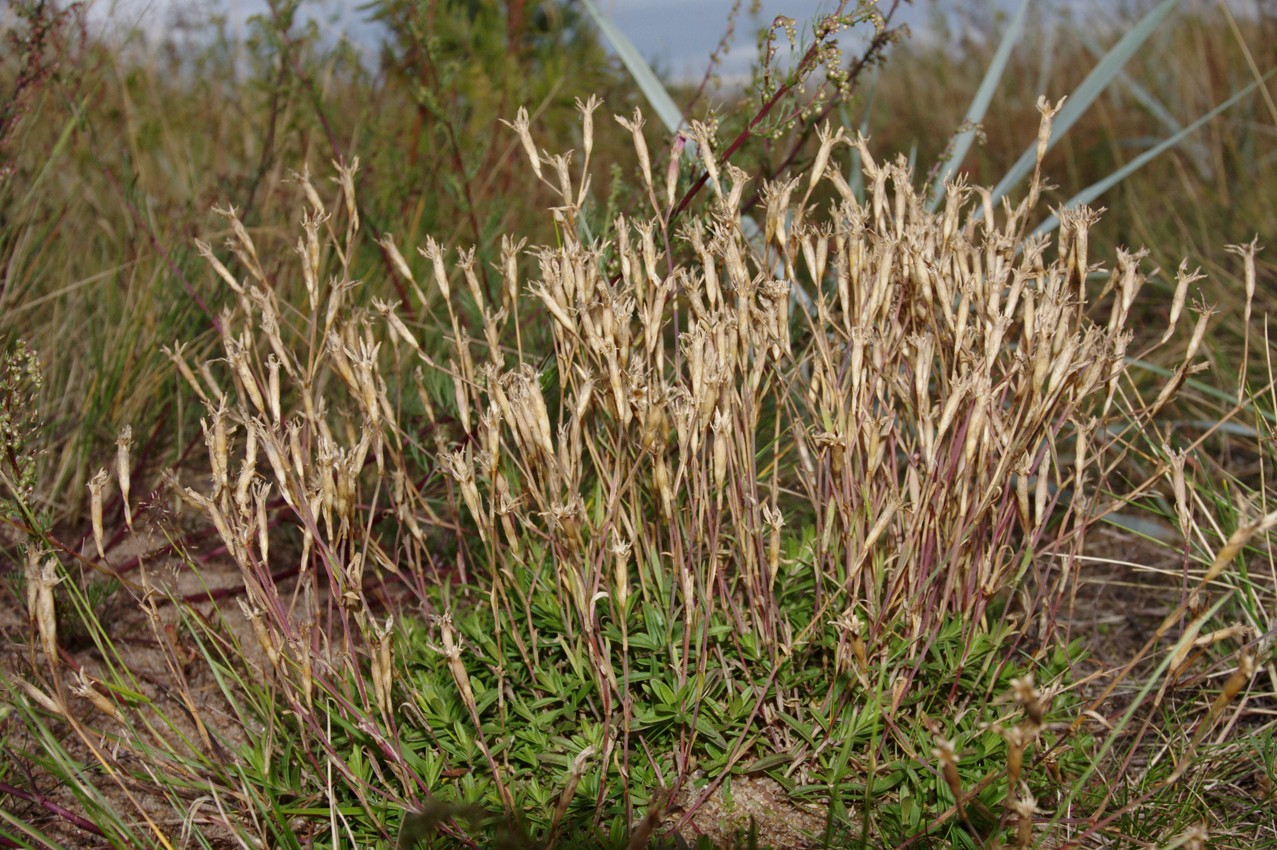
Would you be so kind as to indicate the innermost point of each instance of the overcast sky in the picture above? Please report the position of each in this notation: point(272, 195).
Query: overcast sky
point(678, 36)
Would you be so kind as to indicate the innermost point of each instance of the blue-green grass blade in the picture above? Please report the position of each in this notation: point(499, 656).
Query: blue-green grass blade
point(671, 116)
point(1146, 528)
point(1154, 107)
point(1088, 91)
point(1047, 55)
point(1208, 390)
point(979, 106)
point(1098, 188)
point(1142, 96)
point(856, 179)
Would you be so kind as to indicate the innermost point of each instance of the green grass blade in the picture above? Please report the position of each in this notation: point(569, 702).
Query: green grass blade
point(1098, 188)
point(1128, 715)
point(1087, 92)
point(55, 152)
point(671, 116)
point(979, 106)
point(24, 831)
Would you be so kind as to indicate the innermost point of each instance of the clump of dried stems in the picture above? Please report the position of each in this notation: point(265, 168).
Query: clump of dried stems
point(901, 412)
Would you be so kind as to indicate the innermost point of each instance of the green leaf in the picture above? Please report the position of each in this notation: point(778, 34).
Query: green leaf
point(664, 693)
point(706, 728)
point(770, 762)
point(1200, 386)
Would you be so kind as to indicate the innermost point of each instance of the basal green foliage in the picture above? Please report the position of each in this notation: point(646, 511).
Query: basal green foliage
point(542, 722)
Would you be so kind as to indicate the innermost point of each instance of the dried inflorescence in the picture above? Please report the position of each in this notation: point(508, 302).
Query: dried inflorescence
point(941, 392)
point(921, 389)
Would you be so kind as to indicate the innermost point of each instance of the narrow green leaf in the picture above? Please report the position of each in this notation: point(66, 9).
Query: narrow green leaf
point(55, 152)
point(1200, 386)
point(1235, 429)
point(706, 728)
point(979, 106)
point(664, 693)
point(1088, 91)
point(769, 762)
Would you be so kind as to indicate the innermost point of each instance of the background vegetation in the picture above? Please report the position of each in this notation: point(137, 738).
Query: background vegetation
point(1081, 653)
